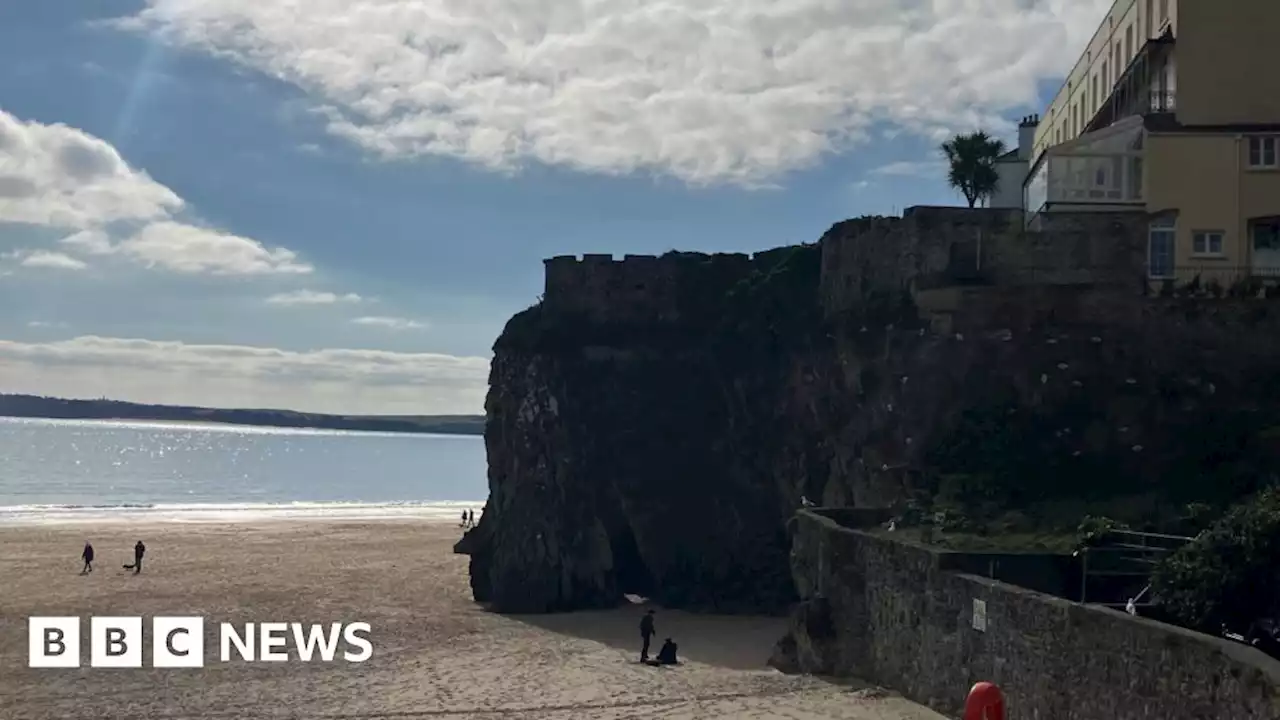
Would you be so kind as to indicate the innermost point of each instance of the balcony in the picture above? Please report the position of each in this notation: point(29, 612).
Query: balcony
point(1099, 171)
point(1146, 87)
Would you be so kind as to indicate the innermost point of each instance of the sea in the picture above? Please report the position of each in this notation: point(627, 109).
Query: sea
point(58, 471)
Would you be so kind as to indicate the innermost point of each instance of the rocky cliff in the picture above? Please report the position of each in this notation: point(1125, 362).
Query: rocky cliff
point(658, 440)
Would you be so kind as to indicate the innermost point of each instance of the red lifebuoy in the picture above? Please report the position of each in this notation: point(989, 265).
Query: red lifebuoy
point(985, 702)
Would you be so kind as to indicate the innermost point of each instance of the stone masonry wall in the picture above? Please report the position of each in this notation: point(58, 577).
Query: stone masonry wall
point(644, 288)
point(928, 247)
point(868, 258)
point(893, 613)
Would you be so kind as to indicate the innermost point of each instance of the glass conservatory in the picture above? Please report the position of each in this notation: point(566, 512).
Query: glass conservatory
point(1098, 171)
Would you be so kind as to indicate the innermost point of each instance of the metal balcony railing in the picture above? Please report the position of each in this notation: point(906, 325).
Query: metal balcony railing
point(1162, 101)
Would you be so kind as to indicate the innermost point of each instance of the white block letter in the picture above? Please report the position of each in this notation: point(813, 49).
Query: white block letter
point(53, 642)
point(177, 642)
point(272, 635)
point(115, 642)
point(352, 635)
point(317, 638)
point(243, 645)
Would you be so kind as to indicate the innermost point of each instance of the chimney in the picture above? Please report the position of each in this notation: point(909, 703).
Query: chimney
point(1027, 136)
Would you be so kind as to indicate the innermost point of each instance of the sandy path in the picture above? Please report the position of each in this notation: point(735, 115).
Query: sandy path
point(436, 654)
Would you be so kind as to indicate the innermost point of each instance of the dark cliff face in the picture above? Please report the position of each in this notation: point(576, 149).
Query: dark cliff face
point(666, 458)
point(636, 458)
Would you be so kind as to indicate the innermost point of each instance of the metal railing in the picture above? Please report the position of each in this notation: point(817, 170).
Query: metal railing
point(1124, 560)
point(1162, 101)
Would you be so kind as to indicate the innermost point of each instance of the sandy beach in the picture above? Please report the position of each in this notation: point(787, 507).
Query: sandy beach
point(435, 652)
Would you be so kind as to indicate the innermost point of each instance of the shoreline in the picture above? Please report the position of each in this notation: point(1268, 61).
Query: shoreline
point(226, 425)
point(431, 512)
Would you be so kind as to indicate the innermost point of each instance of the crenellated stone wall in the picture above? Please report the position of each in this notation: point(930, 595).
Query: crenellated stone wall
point(644, 288)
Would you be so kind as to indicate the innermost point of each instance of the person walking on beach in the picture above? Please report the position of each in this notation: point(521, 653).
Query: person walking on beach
point(647, 631)
point(464, 519)
point(471, 515)
point(87, 555)
point(138, 551)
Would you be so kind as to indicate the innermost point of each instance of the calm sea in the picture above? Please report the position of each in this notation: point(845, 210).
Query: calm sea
point(69, 470)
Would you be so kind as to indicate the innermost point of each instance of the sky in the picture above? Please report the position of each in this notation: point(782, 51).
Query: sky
point(335, 206)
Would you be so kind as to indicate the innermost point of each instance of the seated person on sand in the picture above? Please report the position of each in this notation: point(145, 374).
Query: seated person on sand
point(666, 655)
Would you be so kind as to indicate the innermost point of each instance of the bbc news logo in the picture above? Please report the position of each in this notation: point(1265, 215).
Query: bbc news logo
point(178, 642)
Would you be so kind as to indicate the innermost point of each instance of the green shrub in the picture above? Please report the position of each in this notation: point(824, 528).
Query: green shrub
point(1230, 574)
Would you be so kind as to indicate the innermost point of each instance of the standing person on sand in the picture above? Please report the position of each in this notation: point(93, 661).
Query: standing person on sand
point(464, 519)
point(138, 551)
point(87, 556)
point(647, 631)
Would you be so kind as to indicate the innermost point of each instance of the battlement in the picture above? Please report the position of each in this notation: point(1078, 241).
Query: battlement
point(640, 287)
point(863, 259)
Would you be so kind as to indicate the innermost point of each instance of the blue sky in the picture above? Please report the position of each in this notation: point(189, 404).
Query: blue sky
point(236, 202)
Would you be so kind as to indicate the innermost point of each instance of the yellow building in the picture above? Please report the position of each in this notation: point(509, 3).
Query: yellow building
point(1173, 108)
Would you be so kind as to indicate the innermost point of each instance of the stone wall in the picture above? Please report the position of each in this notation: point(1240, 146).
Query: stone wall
point(898, 614)
point(868, 258)
point(645, 288)
point(929, 247)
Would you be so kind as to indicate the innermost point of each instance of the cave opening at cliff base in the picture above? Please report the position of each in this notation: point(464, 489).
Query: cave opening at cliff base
point(632, 575)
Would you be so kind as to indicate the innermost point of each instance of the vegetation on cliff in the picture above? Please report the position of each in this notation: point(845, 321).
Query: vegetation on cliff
point(1228, 575)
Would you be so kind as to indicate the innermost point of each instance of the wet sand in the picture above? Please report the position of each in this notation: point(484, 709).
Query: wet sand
point(435, 652)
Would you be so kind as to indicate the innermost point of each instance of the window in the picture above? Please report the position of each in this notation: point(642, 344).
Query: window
point(1093, 100)
point(1164, 10)
point(1160, 243)
point(1266, 235)
point(1128, 43)
point(1263, 151)
point(1206, 242)
point(1106, 76)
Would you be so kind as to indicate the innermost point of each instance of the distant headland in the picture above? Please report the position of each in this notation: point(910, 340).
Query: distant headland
point(33, 406)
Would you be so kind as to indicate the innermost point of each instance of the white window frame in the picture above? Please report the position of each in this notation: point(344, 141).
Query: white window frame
point(1166, 227)
point(1202, 238)
point(1261, 142)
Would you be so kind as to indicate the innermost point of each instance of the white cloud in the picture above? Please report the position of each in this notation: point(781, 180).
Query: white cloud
point(705, 90)
point(922, 168)
point(53, 260)
point(89, 242)
point(189, 249)
point(60, 177)
point(331, 380)
point(312, 297)
point(45, 324)
point(390, 323)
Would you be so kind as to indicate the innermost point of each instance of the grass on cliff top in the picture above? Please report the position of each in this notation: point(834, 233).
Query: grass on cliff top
point(1055, 526)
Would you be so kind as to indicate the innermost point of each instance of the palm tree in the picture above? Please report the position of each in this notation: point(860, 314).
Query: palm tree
point(972, 158)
